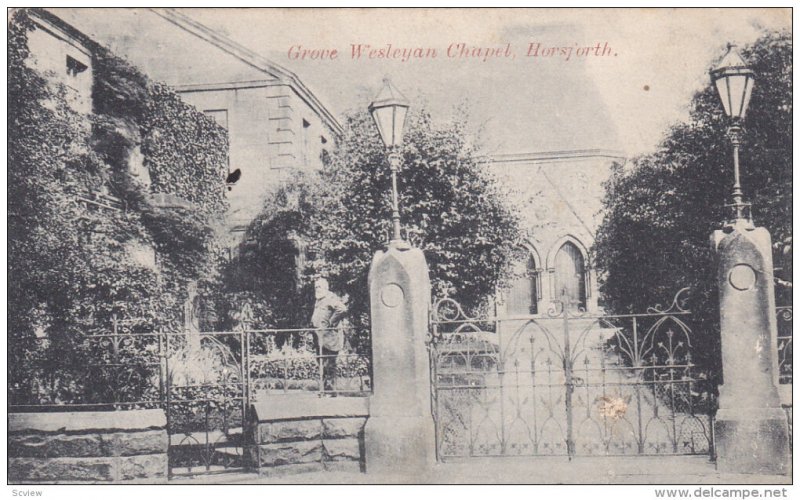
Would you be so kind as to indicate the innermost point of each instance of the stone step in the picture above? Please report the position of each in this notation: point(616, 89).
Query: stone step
point(216, 437)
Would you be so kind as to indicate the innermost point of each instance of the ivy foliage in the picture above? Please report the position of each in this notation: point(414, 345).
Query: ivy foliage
point(449, 207)
point(659, 212)
point(79, 222)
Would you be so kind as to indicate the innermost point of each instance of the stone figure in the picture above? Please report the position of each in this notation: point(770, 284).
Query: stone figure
point(329, 311)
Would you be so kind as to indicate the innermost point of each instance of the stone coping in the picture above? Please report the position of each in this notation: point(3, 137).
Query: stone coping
point(296, 407)
point(84, 421)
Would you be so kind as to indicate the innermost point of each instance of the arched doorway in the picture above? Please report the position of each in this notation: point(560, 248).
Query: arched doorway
point(570, 275)
point(523, 295)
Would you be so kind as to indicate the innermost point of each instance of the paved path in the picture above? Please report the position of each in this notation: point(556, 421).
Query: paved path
point(599, 470)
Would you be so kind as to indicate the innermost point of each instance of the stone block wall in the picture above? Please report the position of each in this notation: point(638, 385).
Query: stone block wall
point(306, 434)
point(70, 447)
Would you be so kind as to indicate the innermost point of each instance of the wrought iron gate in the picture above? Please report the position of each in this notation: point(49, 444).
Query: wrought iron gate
point(211, 385)
point(567, 383)
point(206, 401)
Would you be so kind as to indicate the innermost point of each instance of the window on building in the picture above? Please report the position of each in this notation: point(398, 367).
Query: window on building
point(75, 67)
point(219, 115)
point(523, 297)
point(306, 126)
point(570, 275)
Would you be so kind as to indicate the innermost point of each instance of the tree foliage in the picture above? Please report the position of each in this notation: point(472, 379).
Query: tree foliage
point(450, 208)
point(77, 217)
point(660, 211)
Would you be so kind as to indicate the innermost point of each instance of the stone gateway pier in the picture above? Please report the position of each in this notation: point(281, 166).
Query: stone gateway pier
point(399, 434)
point(751, 428)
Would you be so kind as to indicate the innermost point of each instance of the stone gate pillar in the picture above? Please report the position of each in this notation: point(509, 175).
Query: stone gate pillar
point(399, 434)
point(751, 431)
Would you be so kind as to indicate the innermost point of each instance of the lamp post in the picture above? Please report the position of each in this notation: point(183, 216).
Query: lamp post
point(750, 428)
point(399, 437)
point(389, 111)
point(734, 82)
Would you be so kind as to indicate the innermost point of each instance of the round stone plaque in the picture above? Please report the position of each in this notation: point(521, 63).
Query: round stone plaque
point(392, 295)
point(742, 277)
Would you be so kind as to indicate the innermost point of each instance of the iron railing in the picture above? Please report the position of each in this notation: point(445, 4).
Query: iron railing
point(785, 361)
point(293, 360)
point(567, 383)
point(204, 381)
point(784, 317)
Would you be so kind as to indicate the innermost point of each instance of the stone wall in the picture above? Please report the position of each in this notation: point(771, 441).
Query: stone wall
point(304, 434)
point(72, 447)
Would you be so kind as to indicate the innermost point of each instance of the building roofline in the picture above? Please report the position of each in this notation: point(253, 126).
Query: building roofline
point(550, 156)
point(201, 87)
point(252, 59)
point(40, 15)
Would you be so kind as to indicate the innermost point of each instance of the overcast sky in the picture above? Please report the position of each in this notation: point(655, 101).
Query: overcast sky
point(622, 98)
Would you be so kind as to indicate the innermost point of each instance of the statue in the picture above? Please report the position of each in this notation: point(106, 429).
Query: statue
point(329, 311)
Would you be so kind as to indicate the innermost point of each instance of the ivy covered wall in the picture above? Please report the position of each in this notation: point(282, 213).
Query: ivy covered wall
point(80, 218)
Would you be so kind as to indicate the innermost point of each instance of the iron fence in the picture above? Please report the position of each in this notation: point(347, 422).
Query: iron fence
point(568, 383)
point(784, 319)
point(118, 370)
point(293, 360)
point(204, 381)
point(785, 362)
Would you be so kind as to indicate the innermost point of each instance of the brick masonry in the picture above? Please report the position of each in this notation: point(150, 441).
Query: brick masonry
point(87, 446)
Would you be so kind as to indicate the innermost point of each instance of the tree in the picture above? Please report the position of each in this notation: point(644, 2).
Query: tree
point(72, 262)
point(660, 212)
point(450, 208)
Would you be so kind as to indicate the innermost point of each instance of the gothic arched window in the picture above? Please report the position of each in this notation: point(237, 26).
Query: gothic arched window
point(524, 293)
point(570, 275)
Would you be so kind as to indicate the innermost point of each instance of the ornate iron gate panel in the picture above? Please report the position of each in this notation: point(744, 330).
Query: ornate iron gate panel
point(784, 318)
point(205, 402)
point(784, 361)
point(567, 383)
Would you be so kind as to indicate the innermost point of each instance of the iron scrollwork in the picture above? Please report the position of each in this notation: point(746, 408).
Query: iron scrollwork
point(567, 383)
point(784, 316)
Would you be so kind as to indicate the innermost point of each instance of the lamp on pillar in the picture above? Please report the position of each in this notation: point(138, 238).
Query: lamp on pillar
point(734, 82)
point(750, 429)
point(399, 437)
point(389, 111)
